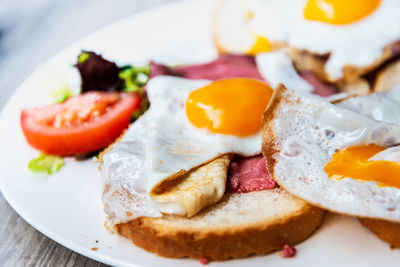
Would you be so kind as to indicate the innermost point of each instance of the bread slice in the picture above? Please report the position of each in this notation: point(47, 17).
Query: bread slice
point(232, 36)
point(388, 77)
point(239, 225)
point(385, 230)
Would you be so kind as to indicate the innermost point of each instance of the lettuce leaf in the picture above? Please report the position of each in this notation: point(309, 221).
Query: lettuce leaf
point(62, 94)
point(134, 77)
point(45, 164)
point(97, 73)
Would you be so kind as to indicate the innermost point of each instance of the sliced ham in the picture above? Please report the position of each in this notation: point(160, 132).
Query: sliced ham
point(248, 174)
point(396, 49)
point(226, 66)
point(288, 251)
point(233, 66)
point(321, 88)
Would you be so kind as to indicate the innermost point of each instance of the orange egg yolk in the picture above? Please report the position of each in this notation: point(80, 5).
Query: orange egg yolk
point(339, 12)
point(232, 106)
point(260, 46)
point(353, 162)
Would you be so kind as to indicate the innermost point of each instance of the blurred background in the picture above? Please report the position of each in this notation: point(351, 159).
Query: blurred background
point(31, 31)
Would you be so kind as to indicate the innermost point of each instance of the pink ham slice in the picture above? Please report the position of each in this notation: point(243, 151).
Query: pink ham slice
point(396, 49)
point(233, 66)
point(288, 251)
point(321, 88)
point(247, 174)
point(226, 66)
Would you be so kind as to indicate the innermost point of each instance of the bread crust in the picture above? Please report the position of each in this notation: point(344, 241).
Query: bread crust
point(222, 243)
point(307, 61)
point(268, 145)
point(385, 230)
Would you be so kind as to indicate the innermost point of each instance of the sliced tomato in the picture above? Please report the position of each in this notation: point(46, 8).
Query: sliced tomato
point(82, 124)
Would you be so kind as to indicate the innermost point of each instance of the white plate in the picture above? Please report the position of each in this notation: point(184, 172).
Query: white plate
point(67, 206)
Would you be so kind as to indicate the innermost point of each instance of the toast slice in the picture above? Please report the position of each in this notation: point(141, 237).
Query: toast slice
point(231, 35)
point(388, 77)
point(239, 225)
point(385, 230)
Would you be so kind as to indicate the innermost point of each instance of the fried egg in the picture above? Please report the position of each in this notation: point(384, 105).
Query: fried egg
point(171, 160)
point(333, 157)
point(189, 123)
point(351, 32)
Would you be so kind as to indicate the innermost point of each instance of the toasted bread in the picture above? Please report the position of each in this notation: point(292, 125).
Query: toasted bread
point(238, 226)
point(356, 87)
point(385, 230)
point(388, 77)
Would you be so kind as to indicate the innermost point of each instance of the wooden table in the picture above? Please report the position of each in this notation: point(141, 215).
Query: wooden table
point(30, 33)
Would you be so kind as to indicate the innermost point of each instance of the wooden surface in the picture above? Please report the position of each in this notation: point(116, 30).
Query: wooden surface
point(22, 245)
point(31, 31)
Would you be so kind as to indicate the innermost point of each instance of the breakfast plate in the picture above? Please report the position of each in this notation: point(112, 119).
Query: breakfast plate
point(67, 205)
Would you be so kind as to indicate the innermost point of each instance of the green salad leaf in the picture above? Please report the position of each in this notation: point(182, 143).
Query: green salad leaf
point(83, 57)
point(144, 105)
point(62, 94)
point(46, 164)
point(134, 77)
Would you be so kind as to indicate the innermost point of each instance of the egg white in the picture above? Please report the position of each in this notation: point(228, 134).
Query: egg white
point(383, 106)
point(389, 154)
point(304, 132)
point(277, 67)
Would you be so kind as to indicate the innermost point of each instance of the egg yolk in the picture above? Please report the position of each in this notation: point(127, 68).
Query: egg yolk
point(260, 46)
point(353, 162)
point(339, 12)
point(231, 106)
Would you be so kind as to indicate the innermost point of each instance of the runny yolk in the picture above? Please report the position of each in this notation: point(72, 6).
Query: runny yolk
point(231, 106)
point(353, 162)
point(339, 12)
point(260, 46)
